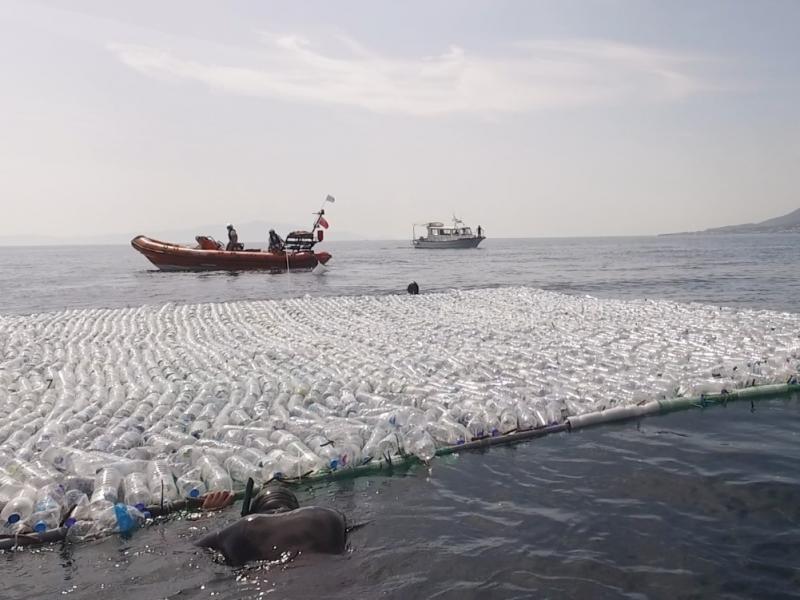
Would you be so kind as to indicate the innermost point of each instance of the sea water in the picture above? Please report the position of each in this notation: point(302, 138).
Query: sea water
point(511, 505)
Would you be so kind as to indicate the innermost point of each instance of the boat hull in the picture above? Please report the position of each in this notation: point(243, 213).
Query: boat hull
point(174, 257)
point(448, 244)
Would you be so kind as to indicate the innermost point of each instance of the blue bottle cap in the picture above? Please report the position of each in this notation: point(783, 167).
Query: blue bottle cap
point(194, 493)
point(334, 464)
point(40, 527)
point(139, 506)
point(13, 518)
point(70, 522)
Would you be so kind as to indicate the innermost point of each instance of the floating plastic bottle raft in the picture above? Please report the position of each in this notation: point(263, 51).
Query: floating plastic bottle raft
point(113, 410)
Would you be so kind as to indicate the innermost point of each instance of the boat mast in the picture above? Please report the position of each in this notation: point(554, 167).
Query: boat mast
point(321, 212)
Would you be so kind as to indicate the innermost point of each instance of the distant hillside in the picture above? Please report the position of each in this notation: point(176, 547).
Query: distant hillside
point(789, 223)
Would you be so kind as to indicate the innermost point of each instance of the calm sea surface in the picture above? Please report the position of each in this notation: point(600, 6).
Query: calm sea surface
point(703, 504)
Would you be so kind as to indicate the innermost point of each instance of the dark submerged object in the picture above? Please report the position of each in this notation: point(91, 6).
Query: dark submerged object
point(413, 288)
point(277, 526)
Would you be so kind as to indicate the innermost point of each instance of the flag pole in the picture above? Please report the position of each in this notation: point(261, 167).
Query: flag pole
point(321, 212)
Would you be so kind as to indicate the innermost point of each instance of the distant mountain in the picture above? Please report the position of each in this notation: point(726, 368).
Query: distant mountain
point(252, 233)
point(789, 223)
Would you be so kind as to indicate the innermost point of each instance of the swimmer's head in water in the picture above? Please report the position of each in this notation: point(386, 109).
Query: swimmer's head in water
point(274, 500)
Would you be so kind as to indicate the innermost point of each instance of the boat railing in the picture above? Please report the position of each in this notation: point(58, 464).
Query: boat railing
point(299, 241)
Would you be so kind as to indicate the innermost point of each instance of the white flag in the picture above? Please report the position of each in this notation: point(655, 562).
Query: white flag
point(330, 199)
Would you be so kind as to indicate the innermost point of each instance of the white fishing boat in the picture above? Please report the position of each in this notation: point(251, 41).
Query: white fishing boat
point(439, 236)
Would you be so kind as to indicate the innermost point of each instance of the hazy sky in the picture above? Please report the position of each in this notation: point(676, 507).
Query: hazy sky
point(539, 118)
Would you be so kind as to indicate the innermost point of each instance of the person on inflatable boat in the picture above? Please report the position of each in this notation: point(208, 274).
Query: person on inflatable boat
point(233, 239)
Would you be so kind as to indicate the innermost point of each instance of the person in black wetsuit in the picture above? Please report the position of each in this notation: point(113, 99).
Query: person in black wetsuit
point(273, 525)
point(233, 239)
point(275, 242)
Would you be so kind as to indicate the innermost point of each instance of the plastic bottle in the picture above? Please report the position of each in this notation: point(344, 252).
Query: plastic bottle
point(103, 519)
point(254, 455)
point(136, 489)
point(77, 505)
point(476, 425)
point(324, 449)
point(51, 434)
point(20, 507)
point(447, 432)
point(8, 490)
point(190, 484)
point(508, 421)
point(161, 481)
point(241, 470)
point(214, 475)
point(106, 485)
point(279, 464)
point(307, 459)
point(389, 445)
point(526, 419)
point(48, 508)
point(419, 443)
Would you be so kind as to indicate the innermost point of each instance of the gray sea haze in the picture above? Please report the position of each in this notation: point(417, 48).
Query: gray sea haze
point(703, 504)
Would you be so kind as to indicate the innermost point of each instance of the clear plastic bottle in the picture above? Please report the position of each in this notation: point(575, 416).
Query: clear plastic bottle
point(51, 434)
point(136, 489)
point(325, 449)
point(77, 503)
point(526, 419)
point(508, 421)
point(241, 470)
point(279, 464)
point(106, 485)
point(307, 459)
point(161, 481)
point(48, 508)
point(8, 489)
point(103, 520)
point(477, 427)
point(389, 445)
point(215, 476)
point(190, 484)
point(419, 443)
point(447, 432)
point(20, 507)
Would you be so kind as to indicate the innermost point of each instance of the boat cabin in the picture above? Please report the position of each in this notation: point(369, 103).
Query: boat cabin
point(449, 231)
